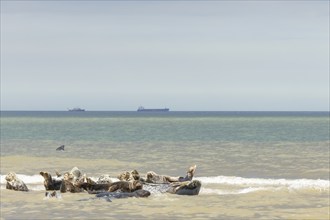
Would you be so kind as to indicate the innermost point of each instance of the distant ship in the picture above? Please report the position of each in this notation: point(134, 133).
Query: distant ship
point(142, 109)
point(76, 110)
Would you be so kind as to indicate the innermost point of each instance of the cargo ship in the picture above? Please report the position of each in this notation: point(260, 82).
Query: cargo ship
point(142, 109)
point(76, 110)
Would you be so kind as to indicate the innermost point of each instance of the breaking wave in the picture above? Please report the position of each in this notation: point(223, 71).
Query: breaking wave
point(318, 184)
point(240, 185)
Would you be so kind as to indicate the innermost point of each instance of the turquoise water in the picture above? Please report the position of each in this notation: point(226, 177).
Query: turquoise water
point(252, 165)
point(174, 126)
point(239, 139)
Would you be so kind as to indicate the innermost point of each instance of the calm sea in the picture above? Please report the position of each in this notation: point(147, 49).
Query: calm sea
point(252, 165)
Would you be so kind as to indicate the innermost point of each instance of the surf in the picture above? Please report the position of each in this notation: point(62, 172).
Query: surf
point(290, 183)
point(239, 185)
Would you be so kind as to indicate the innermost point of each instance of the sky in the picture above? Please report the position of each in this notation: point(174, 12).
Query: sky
point(184, 55)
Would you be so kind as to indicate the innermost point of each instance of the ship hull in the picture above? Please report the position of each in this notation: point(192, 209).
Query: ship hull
point(153, 110)
point(76, 110)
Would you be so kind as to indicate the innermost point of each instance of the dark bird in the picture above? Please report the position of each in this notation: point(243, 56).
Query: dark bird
point(60, 148)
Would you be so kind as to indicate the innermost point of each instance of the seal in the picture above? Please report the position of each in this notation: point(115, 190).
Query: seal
point(185, 188)
point(93, 188)
point(125, 186)
point(61, 148)
point(74, 175)
point(121, 186)
point(153, 177)
point(190, 174)
point(66, 182)
point(68, 186)
point(141, 193)
point(84, 179)
point(50, 182)
point(71, 181)
point(104, 179)
point(14, 183)
point(129, 176)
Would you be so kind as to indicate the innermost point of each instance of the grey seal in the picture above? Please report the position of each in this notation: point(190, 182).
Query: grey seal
point(14, 183)
point(141, 193)
point(190, 188)
point(50, 182)
point(153, 177)
point(60, 148)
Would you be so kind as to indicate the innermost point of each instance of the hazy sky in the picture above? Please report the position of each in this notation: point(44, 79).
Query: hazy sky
point(185, 55)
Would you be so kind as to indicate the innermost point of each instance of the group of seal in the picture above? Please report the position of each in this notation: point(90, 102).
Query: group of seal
point(129, 184)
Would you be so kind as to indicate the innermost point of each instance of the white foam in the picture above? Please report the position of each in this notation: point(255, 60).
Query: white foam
point(251, 189)
point(252, 182)
point(231, 192)
point(34, 179)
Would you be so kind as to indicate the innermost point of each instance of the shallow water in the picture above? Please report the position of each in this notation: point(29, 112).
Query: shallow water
point(252, 165)
point(259, 204)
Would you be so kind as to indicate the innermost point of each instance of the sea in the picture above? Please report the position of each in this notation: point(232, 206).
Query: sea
point(252, 165)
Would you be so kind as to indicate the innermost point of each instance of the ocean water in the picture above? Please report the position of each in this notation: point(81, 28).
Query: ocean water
point(252, 165)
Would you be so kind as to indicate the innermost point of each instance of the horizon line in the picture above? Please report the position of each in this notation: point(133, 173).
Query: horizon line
point(169, 111)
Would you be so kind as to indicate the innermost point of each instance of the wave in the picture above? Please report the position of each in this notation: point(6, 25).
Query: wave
point(318, 184)
point(34, 179)
point(205, 190)
point(216, 184)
